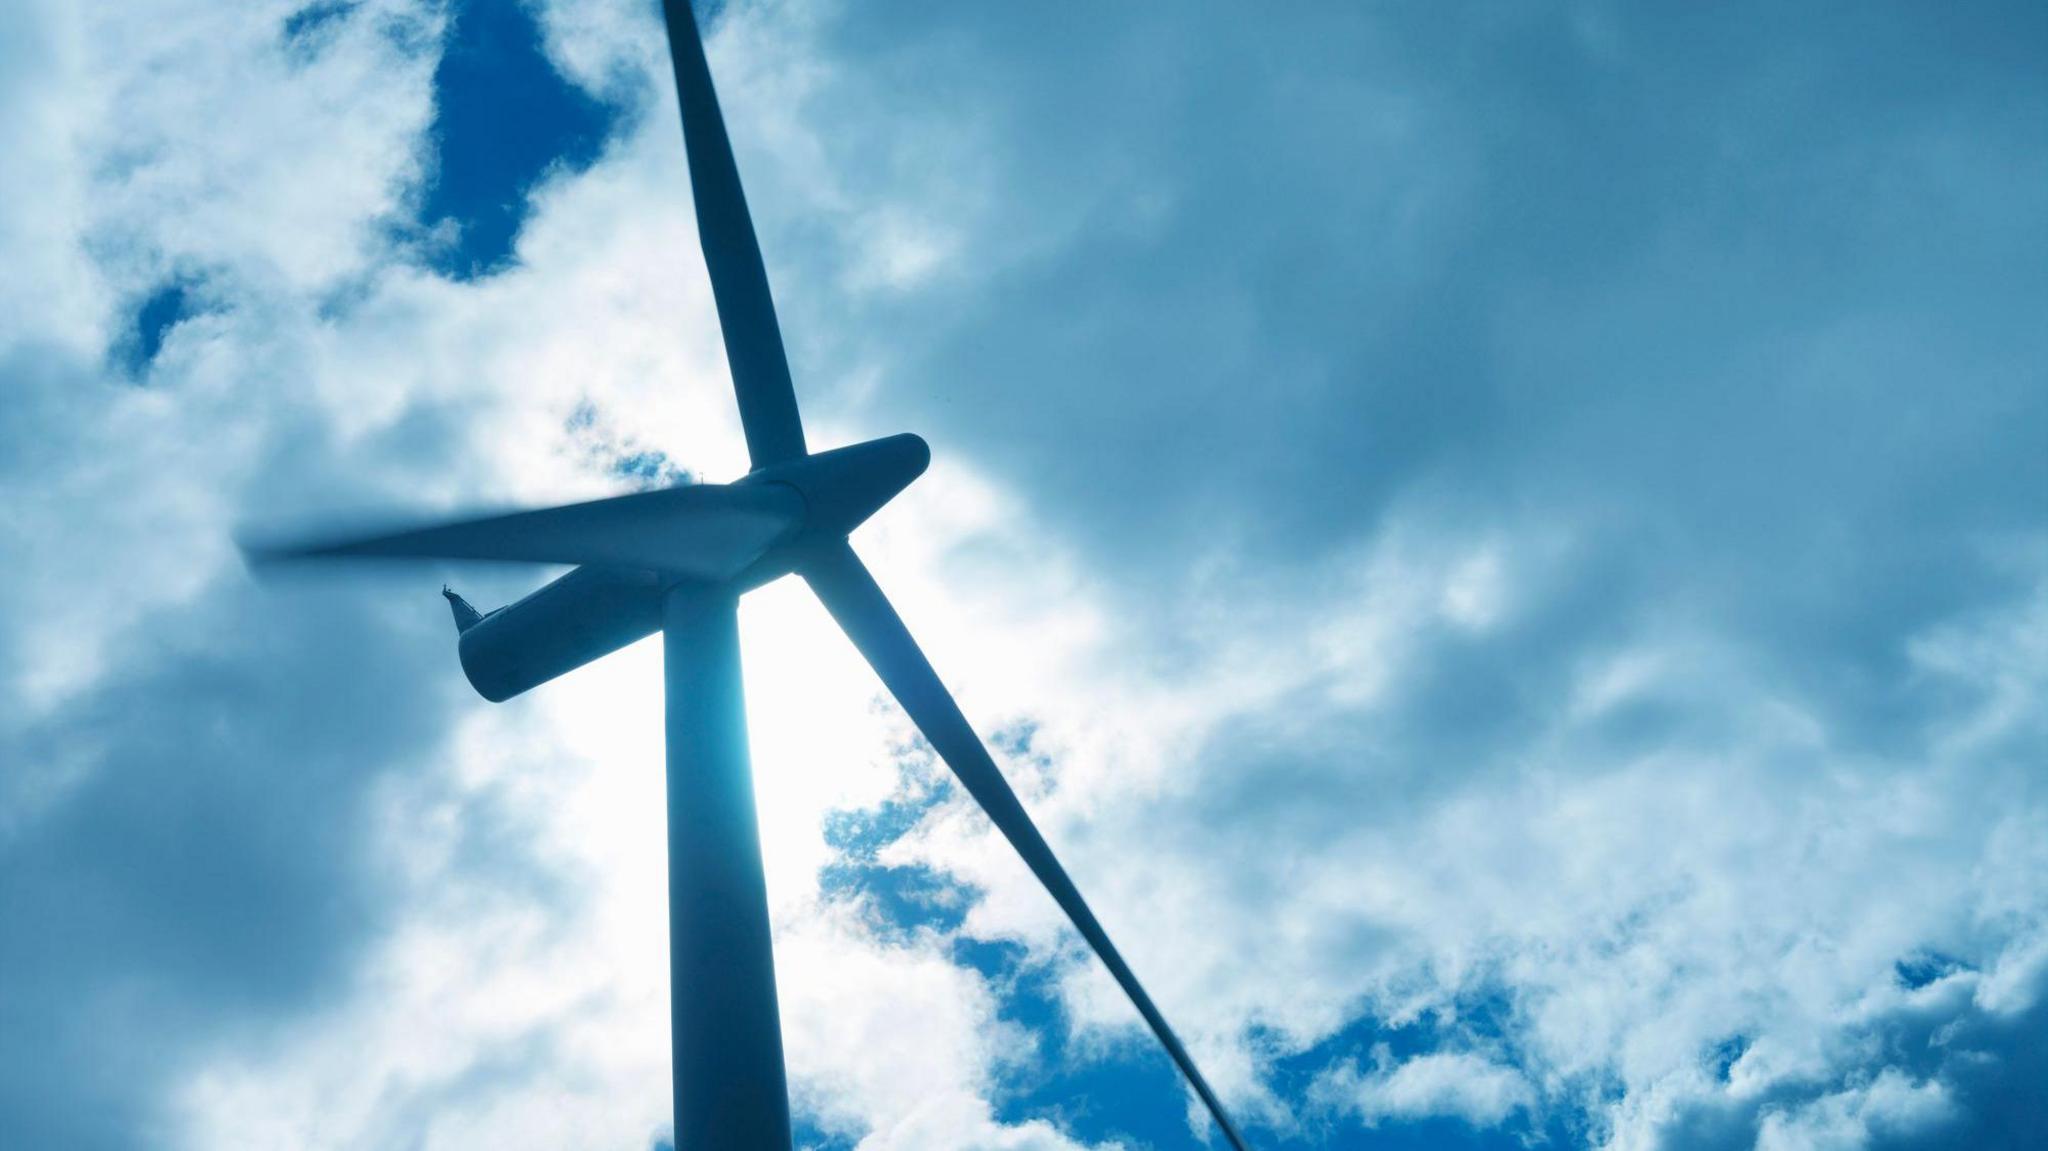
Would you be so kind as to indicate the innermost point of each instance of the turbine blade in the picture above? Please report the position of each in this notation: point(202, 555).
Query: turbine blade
point(739, 282)
point(853, 598)
point(702, 531)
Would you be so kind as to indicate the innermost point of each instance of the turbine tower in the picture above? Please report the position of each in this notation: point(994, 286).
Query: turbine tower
point(677, 560)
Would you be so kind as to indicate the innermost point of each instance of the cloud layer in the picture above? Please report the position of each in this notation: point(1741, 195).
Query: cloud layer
point(1505, 548)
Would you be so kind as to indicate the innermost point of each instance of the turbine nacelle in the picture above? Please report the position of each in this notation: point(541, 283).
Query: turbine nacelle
point(583, 616)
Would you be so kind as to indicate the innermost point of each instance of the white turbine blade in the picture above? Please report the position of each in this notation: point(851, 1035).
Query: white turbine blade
point(701, 531)
point(856, 602)
point(739, 281)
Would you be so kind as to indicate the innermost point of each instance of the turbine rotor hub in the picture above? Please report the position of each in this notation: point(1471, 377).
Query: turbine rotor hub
point(841, 488)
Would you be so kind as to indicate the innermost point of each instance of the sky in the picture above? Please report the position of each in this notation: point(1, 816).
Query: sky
point(1506, 546)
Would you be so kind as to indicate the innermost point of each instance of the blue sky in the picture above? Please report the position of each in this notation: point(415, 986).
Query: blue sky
point(1506, 546)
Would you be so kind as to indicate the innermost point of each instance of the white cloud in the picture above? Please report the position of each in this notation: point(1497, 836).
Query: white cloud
point(1635, 910)
point(1452, 1085)
point(1844, 1120)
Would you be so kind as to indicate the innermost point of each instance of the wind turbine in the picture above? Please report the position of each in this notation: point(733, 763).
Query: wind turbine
point(677, 560)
